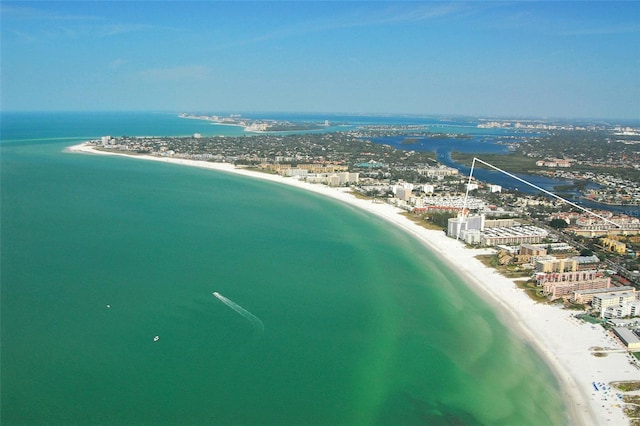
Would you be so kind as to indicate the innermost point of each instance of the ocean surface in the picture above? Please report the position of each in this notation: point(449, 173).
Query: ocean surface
point(328, 316)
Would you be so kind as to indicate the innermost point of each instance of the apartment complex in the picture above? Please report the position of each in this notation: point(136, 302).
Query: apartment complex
point(568, 264)
point(586, 296)
point(563, 284)
point(476, 229)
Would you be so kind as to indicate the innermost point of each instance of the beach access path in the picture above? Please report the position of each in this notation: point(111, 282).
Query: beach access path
point(563, 341)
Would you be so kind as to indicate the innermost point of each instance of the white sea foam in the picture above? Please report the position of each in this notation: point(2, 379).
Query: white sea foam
point(258, 326)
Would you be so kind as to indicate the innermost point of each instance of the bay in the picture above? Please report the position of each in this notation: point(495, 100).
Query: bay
point(362, 325)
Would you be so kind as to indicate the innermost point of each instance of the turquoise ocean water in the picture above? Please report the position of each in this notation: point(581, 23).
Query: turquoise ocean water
point(362, 325)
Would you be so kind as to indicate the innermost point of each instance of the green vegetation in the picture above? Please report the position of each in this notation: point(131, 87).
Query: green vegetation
point(586, 252)
point(575, 306)
point(511, 272)
point(593, 151)
point(589, 318)
point(422, 221)
point(627, 386)
point(558, 223)
point(440, 219)
point(534, 292)
point(513, 162)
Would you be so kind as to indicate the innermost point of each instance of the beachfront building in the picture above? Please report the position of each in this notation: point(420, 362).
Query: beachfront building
point(603, 301)
point(494, 232)
point(348, 177)
point(403, 194)
point(630, 338)
point(563, 284)
point(553, 264)
point(296, 172)
point(586, 296)
point(630, 309)
point(515, 235)
point(329, 179)
point(456, 226)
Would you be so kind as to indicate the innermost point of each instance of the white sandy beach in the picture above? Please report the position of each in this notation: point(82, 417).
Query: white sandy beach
point(562, 340)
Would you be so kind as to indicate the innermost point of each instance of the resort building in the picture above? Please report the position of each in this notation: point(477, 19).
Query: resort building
point(494, 232)
point(453, 202)
point(564, 284)
point(552, 264)
point(601, 302)
point(630, 309)
point(586, 296)
point(438, 172)
point(321, 168)
point(622, 225)
point(296, 172)
point(456, 225)
point(501, 223)
point(630, 338)
point(587, 263)
point(403, 194)
point(515, 235)
point(348, 177)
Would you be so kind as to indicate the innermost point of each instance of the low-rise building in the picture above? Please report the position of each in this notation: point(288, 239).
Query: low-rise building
point(586, 296)
point(533, 250)
point(438, 172)
point(614, 245)
point(558, 285)
point(630, 338)
point(586, 263)
point(601, 302)
point(630, 309)
point(553, 264)
point(527, 234)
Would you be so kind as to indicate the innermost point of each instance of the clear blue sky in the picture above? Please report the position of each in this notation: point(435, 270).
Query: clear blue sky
point(542, 59)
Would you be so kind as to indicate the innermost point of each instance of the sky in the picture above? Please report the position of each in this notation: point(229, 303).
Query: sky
point(495, 59)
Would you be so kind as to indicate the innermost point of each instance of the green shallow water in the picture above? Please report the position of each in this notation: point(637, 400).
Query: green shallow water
point(362, 325)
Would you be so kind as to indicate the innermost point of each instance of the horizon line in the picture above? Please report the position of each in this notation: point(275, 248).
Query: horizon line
point(364, 114)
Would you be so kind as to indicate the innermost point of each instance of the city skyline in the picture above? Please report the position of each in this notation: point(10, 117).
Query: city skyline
point(516, 59)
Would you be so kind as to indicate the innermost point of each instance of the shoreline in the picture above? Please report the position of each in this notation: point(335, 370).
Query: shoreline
point(561, 340)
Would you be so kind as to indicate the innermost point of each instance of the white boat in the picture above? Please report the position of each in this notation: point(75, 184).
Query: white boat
point(155, 339)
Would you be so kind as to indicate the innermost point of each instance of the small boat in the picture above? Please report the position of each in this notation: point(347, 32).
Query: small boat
point(155, 339)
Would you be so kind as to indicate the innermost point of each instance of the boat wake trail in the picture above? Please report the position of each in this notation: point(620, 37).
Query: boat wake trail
point(258, 326)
